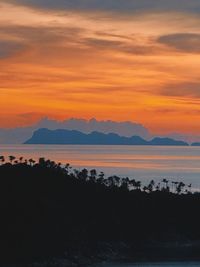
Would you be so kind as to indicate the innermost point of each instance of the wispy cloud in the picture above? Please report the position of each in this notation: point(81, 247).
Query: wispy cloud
point(184, 42)
point(9, 48)
point(184, 89)
point(109, 59)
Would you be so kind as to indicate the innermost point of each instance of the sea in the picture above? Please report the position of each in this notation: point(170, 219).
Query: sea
point(142, 163)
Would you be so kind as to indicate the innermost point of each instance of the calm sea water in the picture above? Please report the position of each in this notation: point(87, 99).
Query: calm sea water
point(140, 162)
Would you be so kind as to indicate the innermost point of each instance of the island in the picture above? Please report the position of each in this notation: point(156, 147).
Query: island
point(72, 137)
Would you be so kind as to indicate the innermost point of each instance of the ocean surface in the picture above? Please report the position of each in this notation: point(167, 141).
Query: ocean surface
point(139, 162)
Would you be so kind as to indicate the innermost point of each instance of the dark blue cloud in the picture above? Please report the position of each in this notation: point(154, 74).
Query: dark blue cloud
point(114, 5)
point(187, 89)
point(184, 42)
point(9, 48)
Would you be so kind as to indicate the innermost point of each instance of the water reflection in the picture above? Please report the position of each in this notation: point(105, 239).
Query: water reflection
point(139, 162)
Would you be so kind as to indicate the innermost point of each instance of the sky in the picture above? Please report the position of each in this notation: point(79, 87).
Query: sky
point(124, 60)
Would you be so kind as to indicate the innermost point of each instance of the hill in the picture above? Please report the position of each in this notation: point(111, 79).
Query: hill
point(52, 211)
point(195, 144)
point(61, 136)
point(20, 134)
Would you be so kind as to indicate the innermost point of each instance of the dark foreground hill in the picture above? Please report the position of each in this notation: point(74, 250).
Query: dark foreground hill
point(52, 211)
point(45, 136)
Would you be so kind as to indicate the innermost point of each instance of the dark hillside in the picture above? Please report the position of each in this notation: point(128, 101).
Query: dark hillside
point(47, 210)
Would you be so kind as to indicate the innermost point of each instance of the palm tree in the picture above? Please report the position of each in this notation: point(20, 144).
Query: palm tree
point(176, 186)
point(32, 162)
point(151, 185)
point(165, 181)
point(189, 188)
point(158, 187)
point(11, 158)
point(100, 179)
point(138, 185)
point(115, 181)
point(20, 159)
point(93, 174)
point(83, 175)
point(173, 186)
point(2, 159)
point(145, 188)
point(67, 168)
point(133, 183)
point(42, 162)
point(76, 173)
point(180, 187)
point(110, 181)
point(125, 183)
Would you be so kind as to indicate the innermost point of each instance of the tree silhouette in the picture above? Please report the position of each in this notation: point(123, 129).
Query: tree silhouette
point(83, 175)
point(189, 188)
point(133, 184)
point(145, 188)
point(100, 178)
point(180, 187)
point(31, 161)
point(125, 183)
point(158, 187)
point(138, 185)
point(93, 174)
point(151, 185)
point(12, 158)
point(2, 159)
point(47, 210)
point(165, 181)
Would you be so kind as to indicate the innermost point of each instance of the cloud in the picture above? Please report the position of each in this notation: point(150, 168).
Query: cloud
point(41, 35)
point(187, 89)
point(15, 39)
point(113, 5)
point(184, 42)
point(74, 39)
point(9, 48)
point(103, 43)
point(99, 58)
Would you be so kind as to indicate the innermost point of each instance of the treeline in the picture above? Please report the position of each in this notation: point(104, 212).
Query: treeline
point(48, 209)
point(165, 185)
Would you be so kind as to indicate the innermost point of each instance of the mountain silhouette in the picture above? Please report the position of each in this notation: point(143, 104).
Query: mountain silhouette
point(61, 136)
point(20, 134)
point(158, 141)
point(195, 144)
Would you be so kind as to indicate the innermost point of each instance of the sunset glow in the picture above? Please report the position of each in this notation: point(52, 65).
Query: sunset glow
point(139, 65)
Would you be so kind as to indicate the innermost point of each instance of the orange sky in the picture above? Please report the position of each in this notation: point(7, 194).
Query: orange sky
point(142, 66)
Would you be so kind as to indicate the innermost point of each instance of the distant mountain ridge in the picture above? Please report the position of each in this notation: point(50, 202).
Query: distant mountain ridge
point(195, 144)
point(20, 134)
point(73, 137)
point(125, 128)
